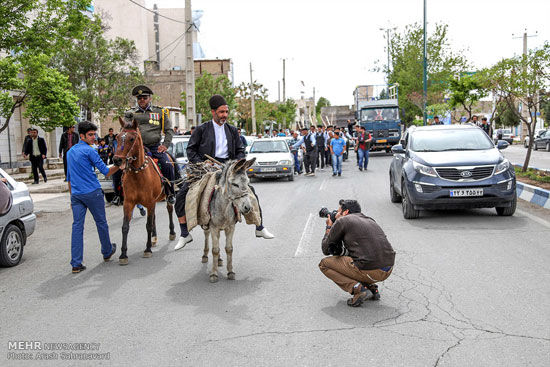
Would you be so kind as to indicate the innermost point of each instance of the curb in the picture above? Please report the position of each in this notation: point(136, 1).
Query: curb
point(533, 194)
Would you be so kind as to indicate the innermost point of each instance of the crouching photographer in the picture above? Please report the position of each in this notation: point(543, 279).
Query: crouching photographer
point(361, 253)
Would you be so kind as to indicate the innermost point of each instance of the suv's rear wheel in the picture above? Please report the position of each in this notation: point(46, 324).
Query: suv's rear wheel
point(394, 196)
point(409, 212)
point(509, 211)
point(548, 147)
point(11, 246)
point(535, 146)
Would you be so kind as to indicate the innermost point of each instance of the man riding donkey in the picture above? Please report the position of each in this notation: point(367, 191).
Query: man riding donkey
point(221, 141)
point(152, 122)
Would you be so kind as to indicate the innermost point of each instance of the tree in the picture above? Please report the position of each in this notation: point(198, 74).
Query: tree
point(284, 113)
point(101, 71)
point(322, 102)
point(522, 80)
point(31, 31)
point(406, 50)
point(504, 116)
point(466, 91)
point(205, 87)
point(263, 108)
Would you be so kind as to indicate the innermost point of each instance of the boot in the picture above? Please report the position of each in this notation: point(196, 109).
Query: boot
point(169, 190)
point(359, 295)
point(374, 290)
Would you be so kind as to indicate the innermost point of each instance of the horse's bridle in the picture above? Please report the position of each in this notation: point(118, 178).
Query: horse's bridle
point(130, 159)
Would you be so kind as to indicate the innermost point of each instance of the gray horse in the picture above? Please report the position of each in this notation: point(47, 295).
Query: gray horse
point(231, 197)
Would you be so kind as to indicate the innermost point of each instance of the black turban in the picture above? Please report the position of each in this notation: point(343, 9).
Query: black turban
point(216, 101)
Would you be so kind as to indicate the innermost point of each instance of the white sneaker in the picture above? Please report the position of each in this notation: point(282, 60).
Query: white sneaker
point(265, 234)
point(183, 241)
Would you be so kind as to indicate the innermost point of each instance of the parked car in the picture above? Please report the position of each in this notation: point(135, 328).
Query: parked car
point(543, 141)
point(506, 135)
point(17, 223)
point(451, 167)
point(178, 150)
point(273, 159)
point(538, 133)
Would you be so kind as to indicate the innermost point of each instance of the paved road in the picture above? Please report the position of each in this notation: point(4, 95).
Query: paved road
point(469, 289)
point(539, 158)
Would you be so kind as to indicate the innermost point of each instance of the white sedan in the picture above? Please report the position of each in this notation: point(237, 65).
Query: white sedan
point(273, 159)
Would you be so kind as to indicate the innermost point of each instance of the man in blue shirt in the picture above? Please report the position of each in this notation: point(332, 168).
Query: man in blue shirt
point(337, 148)
point(86, 194)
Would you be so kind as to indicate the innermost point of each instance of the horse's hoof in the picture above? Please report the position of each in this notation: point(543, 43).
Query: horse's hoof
point(123, 261)
point(231, 275)
point(147, 254)
point(213, 278)
point(220, 262)
point(204, 259)
point(154, 241)
point(172, 237)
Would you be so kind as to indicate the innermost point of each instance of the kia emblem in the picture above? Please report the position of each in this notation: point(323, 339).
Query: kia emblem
point(466, 174)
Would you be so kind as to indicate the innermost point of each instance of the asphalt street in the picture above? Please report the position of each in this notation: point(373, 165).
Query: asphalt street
point(539, 158)
point(469, 288)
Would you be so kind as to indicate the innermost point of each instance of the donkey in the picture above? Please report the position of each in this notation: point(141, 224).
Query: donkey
point(230, 197)
point(141, 184)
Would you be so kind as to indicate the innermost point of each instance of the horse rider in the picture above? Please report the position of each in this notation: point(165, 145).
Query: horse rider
point(152, 122)
point(221, 141)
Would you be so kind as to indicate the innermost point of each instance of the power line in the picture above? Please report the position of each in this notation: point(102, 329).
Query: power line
point(152, 11)
point(174, 49)
point(168, 45)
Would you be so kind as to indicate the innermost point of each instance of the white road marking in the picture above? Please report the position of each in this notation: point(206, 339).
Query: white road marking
point(306, 234)
point(323, 184)
point(534, 217)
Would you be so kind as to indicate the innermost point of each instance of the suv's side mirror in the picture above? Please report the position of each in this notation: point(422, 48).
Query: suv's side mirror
point(502, 144)
point(397, 149)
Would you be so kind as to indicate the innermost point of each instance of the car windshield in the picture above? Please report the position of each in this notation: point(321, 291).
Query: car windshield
point(379, 114)
point(446, 140)
point(269, 146)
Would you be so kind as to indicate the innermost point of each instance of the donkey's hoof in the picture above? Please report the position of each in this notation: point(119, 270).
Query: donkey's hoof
point(220, 262)
point(213, 278)
point(172, 237)
point(231, 275)
point(154, 241)
point(204, 259)
point(147, 254)
point(123, 261)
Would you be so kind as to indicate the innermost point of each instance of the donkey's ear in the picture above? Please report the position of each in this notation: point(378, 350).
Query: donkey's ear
point(121, 122)
point(239, 165)
point(249, 163)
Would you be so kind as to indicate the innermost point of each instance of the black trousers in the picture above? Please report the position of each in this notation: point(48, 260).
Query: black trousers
point(310, 160)
point(321, 157)
point(328, 158)
point(37, 163)
point(65, 164)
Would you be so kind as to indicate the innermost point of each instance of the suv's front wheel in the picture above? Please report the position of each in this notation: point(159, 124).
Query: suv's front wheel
point(409, 212)
point(509, 211)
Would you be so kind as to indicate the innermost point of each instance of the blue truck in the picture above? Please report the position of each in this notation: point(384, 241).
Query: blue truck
point(379, 116)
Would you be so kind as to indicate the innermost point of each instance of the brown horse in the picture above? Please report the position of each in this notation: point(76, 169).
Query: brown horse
point(141, 183)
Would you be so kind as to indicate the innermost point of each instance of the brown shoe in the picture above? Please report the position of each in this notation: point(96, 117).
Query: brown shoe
point(359, 295)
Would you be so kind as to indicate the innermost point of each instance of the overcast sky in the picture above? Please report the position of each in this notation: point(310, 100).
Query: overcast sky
point(333, 45)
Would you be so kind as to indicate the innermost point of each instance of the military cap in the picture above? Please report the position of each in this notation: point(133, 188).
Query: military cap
point(142, 90)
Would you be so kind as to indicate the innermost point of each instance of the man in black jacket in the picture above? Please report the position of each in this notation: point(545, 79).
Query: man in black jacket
point(362, 255)
point(221, 141)
point(68, 139)
point(35, 149)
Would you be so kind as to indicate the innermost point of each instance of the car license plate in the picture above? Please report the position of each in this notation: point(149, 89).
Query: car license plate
point(466, 192)
point(269, 169)
point(382, 141)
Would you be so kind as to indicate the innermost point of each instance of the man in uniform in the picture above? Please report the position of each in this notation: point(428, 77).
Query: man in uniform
point(152, 122)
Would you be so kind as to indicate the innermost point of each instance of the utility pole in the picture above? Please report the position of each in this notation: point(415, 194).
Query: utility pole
point(525, 36)
point(314, 107)
point(284, 83)
point(189, 67)
point(279, 91)
point(425, 76)
point(252, 105)
point(157, 40)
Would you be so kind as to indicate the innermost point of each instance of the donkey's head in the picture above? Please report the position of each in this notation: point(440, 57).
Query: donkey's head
point(237, 185)
point(129, 143)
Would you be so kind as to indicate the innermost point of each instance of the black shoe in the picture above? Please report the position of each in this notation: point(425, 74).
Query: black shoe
point(35, 183)
point(171, 199)
point(374, 290)
point(339, 174)
point(107, 258)
point(142, 212)
point(360, 169)
point(45, 180)
point(116, 200)
point(334, 174)
point(78, 269)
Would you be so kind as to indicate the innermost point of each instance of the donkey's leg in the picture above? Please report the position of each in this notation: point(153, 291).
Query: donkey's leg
point(229, 251)
point(150, 224)
point(128, 208)
point(206, 240)
point(170, 208)
point(215, 254)
point(154, 237)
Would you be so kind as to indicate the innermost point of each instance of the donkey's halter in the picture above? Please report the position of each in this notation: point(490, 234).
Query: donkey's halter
point(129, 159)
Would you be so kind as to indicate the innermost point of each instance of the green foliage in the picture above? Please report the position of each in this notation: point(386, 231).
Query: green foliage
point(263, 108)
point(284, 113)
point(505, 116)
point(205, 87)
point(321, 102)
point(466, 91)
point(100, 70)
point(406, 50)
point(533, 174)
